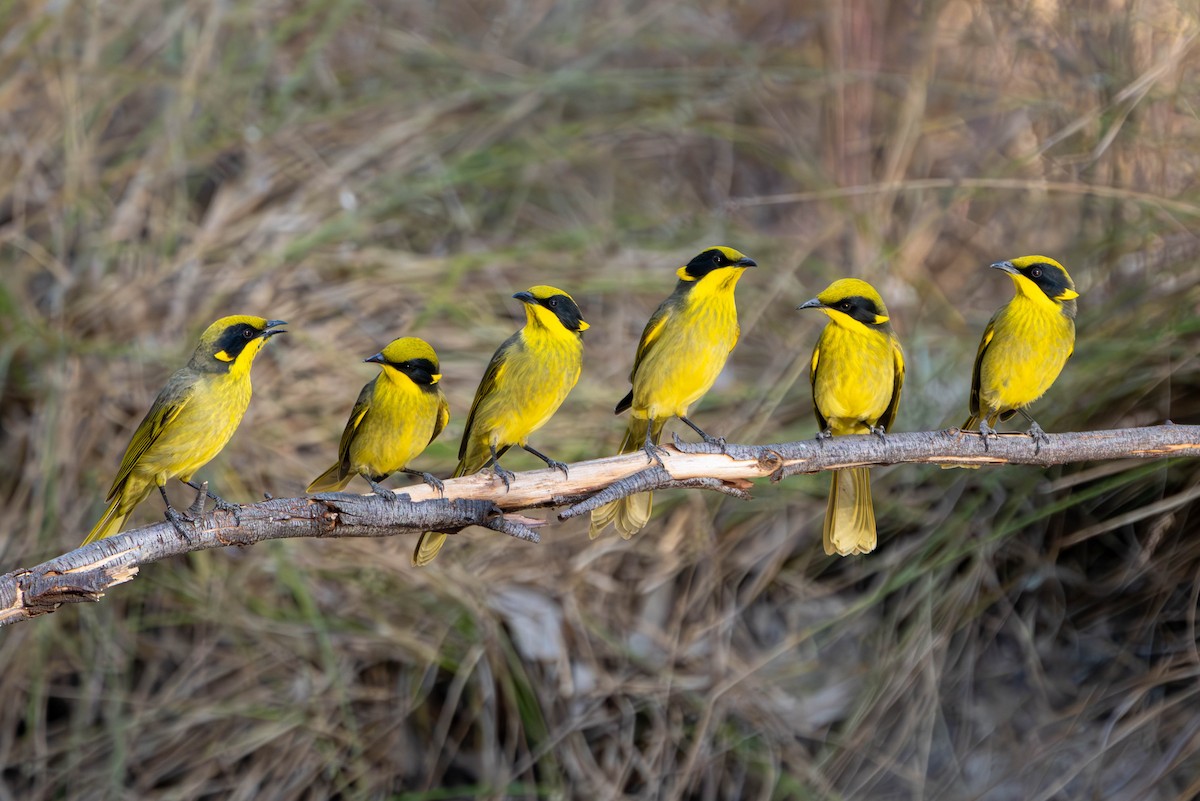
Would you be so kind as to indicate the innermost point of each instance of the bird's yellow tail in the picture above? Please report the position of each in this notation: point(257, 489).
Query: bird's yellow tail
point(109, 524)
point(630, 515)
point(332, 480)
point(427, 547)
point(850, 515)
point(430, 542)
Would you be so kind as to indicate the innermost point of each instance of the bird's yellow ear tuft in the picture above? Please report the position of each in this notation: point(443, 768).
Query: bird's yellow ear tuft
point(880, 319)
point(683, 274)
point(436, 377)
point(223, 356)
point(583, 326)
point(1068, 294)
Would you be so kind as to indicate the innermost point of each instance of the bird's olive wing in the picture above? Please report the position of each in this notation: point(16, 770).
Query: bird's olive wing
point(492, 377)
point(822, 423)
point(889, 416)
point(443, 416)
point(359, 413)
point(650, 334)
point(983, 346)
point(166, 407)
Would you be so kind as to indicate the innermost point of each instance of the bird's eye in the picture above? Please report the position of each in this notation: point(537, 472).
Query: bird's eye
point(1036, 272)
point(718, 258)
point(844, 305)
point(553, 303)
point(248, 333)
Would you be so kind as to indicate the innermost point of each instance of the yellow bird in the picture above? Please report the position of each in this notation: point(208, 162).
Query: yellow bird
point(682, 351)
point(191, 420)
point(1025, 345)
point(526, 381)
point(397, 414)
point(857, 373)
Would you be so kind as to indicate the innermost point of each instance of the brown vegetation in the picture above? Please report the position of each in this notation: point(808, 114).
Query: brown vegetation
point(370, 170)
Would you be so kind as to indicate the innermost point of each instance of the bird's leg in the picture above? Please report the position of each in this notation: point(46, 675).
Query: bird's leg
point(652, 450)
point(429, 478)
point(718, 441)
point(986, 431)
point(1035, 431)
point(504, 475)
point(383, 492)
point(878, 431)
point(174, 516)
point(220, 503)
point(553, 464)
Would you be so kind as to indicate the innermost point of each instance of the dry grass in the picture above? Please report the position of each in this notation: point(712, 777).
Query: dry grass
point(368, 170)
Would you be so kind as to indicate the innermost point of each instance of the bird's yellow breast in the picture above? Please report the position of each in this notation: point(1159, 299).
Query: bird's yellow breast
point(1029, 346)
point(687, 356)
point(397, 427)
point(538, 374)
point(854, 378)
point(198, 433)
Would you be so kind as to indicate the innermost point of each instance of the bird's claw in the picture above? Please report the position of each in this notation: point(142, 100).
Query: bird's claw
point(653, 452)
point(554, 464)
point(1039, 437)
point(879, 431)
point(434, 482)
point(986, 431)
point(824, 435)
point(381, 491)
point(177, 519)
point(504, 475)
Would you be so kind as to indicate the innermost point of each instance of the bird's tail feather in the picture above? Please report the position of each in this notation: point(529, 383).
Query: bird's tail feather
point(335, 479)
point(850, 514)
point(431, 542)
point(109, 524)
point(630, 514)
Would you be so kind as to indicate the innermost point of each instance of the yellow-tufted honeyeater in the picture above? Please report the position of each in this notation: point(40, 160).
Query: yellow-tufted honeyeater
point(1025, 344)
point(682, 351)
point(857, 373)
point(190, 421)
point(397, 414)
point(526, 381)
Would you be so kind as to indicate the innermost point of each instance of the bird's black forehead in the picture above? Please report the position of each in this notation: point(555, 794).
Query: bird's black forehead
point(706, 262)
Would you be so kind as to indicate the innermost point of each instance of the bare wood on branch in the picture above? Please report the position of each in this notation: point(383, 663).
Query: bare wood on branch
point(86, 573)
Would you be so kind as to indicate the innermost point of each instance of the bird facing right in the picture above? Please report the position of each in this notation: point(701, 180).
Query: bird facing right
point(1025, 344)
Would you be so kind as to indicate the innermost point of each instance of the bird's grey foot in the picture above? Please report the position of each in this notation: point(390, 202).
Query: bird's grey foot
point(383, 492)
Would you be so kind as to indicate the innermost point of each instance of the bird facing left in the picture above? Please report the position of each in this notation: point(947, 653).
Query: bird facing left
point(190, 421)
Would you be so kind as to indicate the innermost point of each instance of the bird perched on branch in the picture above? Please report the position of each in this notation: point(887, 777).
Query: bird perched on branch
point(526, 381)
point(857, 373)
point(1025, 345)
point(682, 351)
point(397, 414)
point(190, 421)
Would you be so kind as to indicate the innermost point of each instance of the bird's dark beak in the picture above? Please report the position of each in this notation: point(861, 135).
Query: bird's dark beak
point(815, 303)
point(377, 359)
point(525, 297)
point(1006, 266)
point(268, 333)
point(745, 261)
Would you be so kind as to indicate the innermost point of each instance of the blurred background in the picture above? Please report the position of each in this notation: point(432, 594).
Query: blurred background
point(367, 170)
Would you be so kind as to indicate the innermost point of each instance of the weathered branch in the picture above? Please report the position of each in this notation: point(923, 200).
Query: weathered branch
point(85, 573)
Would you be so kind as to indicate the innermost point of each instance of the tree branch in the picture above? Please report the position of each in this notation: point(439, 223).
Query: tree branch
point(85, 573)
